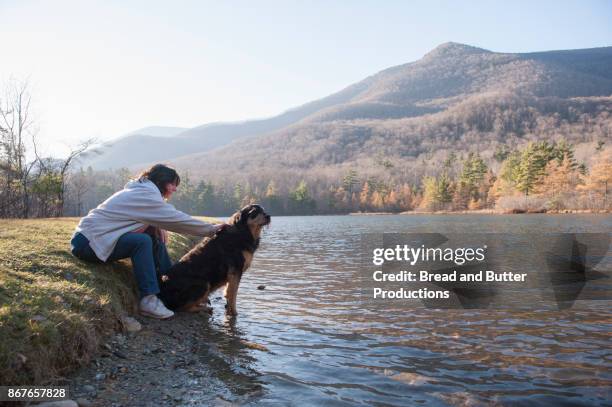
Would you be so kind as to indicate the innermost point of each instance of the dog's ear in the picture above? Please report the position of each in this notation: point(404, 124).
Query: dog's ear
point(240, 217)
point(235, 219)
point(252, 210)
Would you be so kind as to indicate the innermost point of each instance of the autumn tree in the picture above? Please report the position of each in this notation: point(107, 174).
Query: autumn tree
point(437, 192)
point(598, 181)
point(364, 197)
point(559, 181)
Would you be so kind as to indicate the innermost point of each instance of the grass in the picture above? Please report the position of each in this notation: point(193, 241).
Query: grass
point(55, 310)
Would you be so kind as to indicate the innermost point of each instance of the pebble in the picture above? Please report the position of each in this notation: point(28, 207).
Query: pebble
point(38, 318)
point(84, 402)
point(261, 287)
point(68, 276)
point(100, 376)
point(20, 361)
point(88, 388)
point(119, 354)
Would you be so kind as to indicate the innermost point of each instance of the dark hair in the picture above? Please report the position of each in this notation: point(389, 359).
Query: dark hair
point(161, 175)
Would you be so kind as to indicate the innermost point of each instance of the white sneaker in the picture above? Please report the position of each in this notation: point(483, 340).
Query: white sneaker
point(151, 306)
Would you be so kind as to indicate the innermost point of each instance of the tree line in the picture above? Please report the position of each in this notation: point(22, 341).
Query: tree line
point(529, 176)
point(541, 176)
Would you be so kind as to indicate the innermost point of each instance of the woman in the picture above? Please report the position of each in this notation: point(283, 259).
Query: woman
point(117, 228)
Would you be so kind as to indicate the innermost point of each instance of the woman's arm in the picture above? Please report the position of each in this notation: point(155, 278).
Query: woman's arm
point(151, 209)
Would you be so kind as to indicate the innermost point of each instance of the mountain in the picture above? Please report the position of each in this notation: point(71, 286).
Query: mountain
point(457, 98)
point(157, 131)
point(144, 146)
point(148, 143)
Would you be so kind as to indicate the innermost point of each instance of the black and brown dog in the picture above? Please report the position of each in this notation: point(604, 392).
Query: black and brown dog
point(214, 262)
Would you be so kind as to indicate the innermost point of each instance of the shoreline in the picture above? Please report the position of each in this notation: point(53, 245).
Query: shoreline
point(484, 212)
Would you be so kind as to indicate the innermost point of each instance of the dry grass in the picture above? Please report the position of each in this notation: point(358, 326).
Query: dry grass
point(55, 309)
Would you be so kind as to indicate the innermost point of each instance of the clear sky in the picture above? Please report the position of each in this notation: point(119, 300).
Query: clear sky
point(105, 68)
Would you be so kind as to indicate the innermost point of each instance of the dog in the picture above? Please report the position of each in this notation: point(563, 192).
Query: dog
point(217, 261)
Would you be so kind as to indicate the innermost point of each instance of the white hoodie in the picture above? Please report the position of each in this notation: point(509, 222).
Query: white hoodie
point(137, 205)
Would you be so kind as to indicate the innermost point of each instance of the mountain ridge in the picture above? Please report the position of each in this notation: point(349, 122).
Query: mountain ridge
point(447, 76)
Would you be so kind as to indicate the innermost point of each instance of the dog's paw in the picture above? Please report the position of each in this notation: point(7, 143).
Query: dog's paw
point(198, 308)
point(230, 311)
point(205, 307)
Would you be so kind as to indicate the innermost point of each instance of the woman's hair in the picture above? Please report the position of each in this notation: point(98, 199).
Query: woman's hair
point(161, 175)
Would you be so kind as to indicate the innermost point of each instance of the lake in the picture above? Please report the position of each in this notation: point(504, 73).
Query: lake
point(307, 339)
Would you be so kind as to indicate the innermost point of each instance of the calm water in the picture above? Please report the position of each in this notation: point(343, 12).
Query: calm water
point(308, 340)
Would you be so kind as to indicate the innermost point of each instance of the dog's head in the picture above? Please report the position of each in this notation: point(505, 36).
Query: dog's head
point(252, 216)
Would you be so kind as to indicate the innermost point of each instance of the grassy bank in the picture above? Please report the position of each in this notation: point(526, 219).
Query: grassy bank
point(55, 310)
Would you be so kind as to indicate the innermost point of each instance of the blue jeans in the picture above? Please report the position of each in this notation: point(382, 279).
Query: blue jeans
point(147, 256)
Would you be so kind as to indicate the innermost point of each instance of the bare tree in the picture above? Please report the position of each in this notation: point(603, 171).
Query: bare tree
point(65, 168)
point(78, 185)
point(17, 127)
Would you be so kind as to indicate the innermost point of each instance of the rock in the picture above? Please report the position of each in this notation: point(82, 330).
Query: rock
point(19, 361)
point(120, 339)
point(88, 388)
point(59, 403)
point(100, 376)
point(84, 402)
point(68, 276)
point(261, 287)
point(119, 354)
point(38, 318)
point(130, 325)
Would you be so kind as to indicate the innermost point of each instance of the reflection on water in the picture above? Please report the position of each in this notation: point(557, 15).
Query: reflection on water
point(307, 339)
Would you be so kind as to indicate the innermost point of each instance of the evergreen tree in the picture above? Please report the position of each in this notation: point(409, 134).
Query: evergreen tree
point(532, 165)
point(300, 201)
point(436, 192)
point(349, 181)
point(470, 181)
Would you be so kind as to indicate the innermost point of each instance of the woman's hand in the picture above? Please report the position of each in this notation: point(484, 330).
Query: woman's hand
point(162, 235)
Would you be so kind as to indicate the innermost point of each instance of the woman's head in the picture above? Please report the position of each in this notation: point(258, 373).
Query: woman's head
point(165, 178)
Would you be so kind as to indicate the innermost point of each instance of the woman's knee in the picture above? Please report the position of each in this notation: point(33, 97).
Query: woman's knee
point(143, 240)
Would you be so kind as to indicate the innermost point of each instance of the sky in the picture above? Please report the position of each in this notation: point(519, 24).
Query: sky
point(101, 69)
